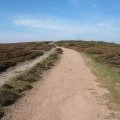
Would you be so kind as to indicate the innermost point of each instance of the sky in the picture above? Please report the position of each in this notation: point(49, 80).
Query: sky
point(39, 20)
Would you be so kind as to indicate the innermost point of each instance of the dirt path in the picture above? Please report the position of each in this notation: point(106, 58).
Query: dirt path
point(67, 92)
point(21, 67)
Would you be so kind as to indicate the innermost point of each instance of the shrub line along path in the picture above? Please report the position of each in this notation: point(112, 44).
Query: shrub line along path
point(21, 67)
point(67, 92)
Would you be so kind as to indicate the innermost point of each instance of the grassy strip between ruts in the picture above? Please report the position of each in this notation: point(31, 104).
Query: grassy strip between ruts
point(13, 90)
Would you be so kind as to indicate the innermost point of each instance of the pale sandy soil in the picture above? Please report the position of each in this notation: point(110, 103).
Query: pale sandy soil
point(21, 67)
point(67, 92)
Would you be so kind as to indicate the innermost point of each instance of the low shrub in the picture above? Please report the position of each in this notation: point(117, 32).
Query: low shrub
point(12, 54)
point(8, 96)
point(59, 50)
point(1, 112)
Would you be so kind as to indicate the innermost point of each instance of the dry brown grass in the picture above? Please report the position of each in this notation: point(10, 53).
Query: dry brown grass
point(11, 54)
point(103, 52)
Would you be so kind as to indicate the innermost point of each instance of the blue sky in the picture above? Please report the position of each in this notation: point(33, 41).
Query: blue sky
point(33, 20)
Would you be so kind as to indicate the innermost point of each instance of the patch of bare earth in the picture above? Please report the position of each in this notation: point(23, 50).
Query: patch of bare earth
point(67, 92)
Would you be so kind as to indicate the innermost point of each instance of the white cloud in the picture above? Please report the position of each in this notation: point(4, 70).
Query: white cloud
point(66, 26)
point(53, 28)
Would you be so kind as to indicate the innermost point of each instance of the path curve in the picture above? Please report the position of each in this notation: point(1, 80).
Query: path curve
point(67, 92)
